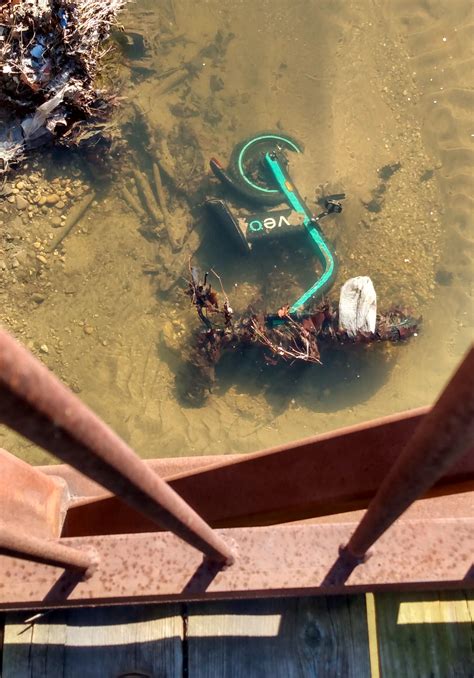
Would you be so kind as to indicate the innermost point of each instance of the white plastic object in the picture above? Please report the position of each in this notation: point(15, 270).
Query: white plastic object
point(357, 306)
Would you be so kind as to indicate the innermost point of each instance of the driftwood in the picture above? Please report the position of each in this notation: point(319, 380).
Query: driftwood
point(148, 197)
point(132, 202)
point(76, 213)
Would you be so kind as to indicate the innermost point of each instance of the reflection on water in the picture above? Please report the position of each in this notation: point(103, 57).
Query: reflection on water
point(364, 87)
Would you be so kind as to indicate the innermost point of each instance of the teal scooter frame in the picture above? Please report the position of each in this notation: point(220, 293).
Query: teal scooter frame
point(323, 253)
point(265, 152)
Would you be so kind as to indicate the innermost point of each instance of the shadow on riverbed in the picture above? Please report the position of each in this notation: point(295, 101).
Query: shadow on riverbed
point(348, 376)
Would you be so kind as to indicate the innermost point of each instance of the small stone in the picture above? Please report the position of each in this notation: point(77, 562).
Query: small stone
point(52, 199)
point(21, 203)
point(56, 222)
point(41, 258)
point(37, 297)
point(61, 205)
point(37, 245)
point(44, 348)
point(20, 185)
point(88, 329)
point(15, 262)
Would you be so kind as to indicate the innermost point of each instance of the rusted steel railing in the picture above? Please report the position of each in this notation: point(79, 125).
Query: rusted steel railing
point(43, 550)
point(443, 436)
point(34, 403)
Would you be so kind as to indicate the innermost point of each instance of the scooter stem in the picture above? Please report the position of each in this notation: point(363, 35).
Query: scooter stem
point(323, 253)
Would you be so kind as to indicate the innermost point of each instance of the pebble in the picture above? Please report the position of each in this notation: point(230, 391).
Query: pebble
point(88, 329)
point(38, 298)
point(21, 203)
point(60, 205)
point(56, 222)
point(52, 199)
point(41, 258)
point(44, 348)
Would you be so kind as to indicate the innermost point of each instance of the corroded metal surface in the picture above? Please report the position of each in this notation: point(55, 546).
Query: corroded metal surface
point(443, 437)
point(331, 473)
point(31, 501)
point(336, 471)
point(36, 404)
point(271, 561)
point(22, 545)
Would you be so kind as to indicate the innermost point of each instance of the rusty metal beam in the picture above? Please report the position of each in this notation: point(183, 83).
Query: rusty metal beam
point(330, 473)
point(35, 404)
point(443, 437)
point(31, 501)
point(272, 561)
point(21, 545)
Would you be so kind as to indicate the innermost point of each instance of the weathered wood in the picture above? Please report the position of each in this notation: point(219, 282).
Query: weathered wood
point(95, 643)
point(426, 635)
point(287, 638)
point(372, 633)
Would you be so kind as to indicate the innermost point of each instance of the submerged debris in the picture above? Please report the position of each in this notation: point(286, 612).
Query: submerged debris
point(283, 336)
point(50, 51)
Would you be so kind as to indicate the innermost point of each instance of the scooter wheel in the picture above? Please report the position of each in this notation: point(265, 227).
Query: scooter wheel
point(247, 168)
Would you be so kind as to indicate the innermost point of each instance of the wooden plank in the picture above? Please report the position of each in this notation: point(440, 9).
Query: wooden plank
point(426, 635)
point(287, 638)
point(372, 632)
point(95, 643)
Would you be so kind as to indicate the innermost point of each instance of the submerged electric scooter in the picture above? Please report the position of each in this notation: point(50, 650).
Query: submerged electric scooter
point(258, 172)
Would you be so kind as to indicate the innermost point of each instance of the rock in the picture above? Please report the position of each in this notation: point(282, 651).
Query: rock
point(41, 258)
point(56, 222)
point(44, 348)
point(52, 199)
point(38, 298)
point(88, 329)
point(61, 205)
point(22, 257)
point(20, 185)
point(21, 203)
point(15, 262)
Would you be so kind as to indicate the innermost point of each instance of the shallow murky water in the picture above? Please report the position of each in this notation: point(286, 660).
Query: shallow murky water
point(363, 86)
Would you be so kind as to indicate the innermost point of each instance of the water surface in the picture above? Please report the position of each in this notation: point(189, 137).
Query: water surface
point(363, 86)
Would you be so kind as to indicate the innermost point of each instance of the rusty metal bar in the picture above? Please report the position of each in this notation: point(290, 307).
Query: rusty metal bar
point(330, 473)
point(275, 561)
point(34, 403)
point(31, 501)
point(444, 435)
point(51, 552)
